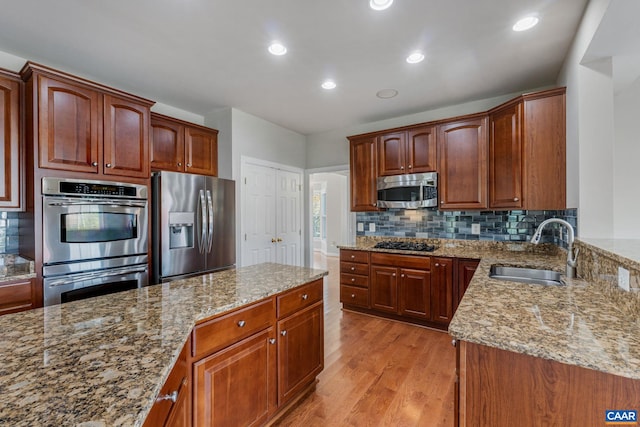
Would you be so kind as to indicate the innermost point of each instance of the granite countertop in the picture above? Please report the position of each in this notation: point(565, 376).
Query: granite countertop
point(577, 324)
point(102, 361)
point(14, 267)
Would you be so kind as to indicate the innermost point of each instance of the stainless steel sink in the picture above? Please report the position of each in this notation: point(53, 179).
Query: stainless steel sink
point(526, 275)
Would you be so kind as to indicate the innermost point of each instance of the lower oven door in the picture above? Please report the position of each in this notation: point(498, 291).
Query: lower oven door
point(72, 287)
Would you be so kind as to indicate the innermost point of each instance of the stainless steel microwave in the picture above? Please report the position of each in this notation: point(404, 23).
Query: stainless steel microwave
point(410, 191)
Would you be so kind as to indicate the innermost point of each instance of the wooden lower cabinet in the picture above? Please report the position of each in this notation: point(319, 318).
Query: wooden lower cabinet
point(498, 388)
point(465, 271)
point(300, 352)
point(17, 296)
point(237, 386)
point(442, 303)
point(415, 293)
point(384, 288)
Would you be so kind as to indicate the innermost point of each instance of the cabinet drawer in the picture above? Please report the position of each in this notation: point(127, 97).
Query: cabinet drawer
point(299, 298)
point(422, 262)
point(16, 296)
point(353, 268)
point(352, 295)
point(354, 256)
point(354, 280)
point(220, 332)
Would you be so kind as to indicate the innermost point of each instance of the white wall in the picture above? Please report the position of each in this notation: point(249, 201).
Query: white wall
point(221, 119)
point(332, 148)
point(11, 62)
point(177, 113)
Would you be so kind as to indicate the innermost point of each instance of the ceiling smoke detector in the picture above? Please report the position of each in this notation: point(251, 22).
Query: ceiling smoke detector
point(386, 93)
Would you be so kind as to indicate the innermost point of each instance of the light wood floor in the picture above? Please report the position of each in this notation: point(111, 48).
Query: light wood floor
point(377, 372)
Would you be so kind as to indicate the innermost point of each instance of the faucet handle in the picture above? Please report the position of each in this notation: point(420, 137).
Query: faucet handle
point(572, 259)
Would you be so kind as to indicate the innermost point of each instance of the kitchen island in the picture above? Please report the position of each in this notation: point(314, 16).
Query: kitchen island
point(103, 361)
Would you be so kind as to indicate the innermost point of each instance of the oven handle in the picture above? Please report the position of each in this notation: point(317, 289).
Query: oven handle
point(95, 275)
point(100, 202)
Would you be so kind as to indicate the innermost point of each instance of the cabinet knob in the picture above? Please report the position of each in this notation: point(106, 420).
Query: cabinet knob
point(241, 323)
point(393, 275)
point(515, 199)
point(410, 166)
point(454, 342)
point(442, 202)
point(188, 165)
point(272, 341)
point(108, 165)
point(353, 257)
point(437, 265)
point(402, 275)
point(353, 295)
point(401, 168)
point(353, 279)
point(374, 204)
point(353, 268)
point(179, 164)
point(283, 333)
point(173, 396)
point(305, 297)
point(94, 164)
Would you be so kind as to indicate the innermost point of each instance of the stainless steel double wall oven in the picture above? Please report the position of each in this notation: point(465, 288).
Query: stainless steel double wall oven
point(95, 238)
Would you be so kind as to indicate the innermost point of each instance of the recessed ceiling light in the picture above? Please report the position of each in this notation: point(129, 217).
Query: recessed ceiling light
point(386, 93)
point(277, 49)
point(415, 57)
point(525, 23)
point(328, 84)
point(380, 4)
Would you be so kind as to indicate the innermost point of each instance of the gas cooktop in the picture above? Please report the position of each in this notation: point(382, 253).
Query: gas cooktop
point(405, 246)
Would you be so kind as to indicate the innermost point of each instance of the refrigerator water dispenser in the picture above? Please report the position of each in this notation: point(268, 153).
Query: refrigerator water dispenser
point(181, 230)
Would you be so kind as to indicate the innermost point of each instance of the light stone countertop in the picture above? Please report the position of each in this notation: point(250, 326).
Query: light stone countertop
point(576, 324)
point(14, 267)
point(102, 361)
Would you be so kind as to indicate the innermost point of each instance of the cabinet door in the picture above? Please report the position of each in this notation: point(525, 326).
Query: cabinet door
point(126, 138)
point(363, 169)
point(167, 145)
point(180, 415)
point(17, 296)
point(236, 386)
point(421, 150)
point(415, 293)
point(392, 154)
point(442, 290)
point(69, 126)
point(462, 152)
point(10, 154)
point(505, 157)
point(466, 269)
point(300, 351)
point(201, 151)
point(384, 288)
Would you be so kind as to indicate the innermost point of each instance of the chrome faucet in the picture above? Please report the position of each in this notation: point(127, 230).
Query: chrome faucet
point(571, 257)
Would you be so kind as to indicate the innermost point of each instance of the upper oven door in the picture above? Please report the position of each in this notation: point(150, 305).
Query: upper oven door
point(89, 228)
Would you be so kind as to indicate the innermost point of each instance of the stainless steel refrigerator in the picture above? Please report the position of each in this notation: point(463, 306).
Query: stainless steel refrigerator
point(193, 221)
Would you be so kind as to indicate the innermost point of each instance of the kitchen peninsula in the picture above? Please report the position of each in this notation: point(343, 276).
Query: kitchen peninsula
point(103, 361)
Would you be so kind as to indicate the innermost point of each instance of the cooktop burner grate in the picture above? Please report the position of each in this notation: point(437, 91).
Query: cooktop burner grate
point(405, 246)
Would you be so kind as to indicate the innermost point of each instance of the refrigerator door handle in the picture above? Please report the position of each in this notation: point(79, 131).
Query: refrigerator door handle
point(202, 207)
point(210, 220)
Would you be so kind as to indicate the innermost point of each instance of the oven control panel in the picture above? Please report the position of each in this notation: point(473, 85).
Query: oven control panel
point(73, 187)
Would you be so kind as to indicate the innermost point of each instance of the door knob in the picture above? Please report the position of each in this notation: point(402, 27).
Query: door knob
point(279, 239)
point(273, 240)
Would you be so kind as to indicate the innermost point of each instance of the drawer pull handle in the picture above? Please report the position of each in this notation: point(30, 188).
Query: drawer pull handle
point(305, 296)
point(272, 341)
point(241, 324)
point(173, 396)
point(283, 333)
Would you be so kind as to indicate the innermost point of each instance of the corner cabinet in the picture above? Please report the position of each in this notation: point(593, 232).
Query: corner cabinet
point(363, 167)
point(410, 151)
point(183, 147)
point(527, 153)
point(80, 126)
point(11, 148)
point(462, 157)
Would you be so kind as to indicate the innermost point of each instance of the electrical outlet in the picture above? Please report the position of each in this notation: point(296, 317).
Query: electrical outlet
point(475, 228)
point(372, 227)
point(623, 278)
point(360, 226)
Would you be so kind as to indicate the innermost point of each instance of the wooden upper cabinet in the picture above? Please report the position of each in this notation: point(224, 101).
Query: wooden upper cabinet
point(167, 145)
point(69, 125)
point(462, 153)
point(363, 168)
point(527, 154)
point(183, 147)
point(410, 151)
point(201, 151)
point(11, 156)
point(126, 138)
point(505, 157)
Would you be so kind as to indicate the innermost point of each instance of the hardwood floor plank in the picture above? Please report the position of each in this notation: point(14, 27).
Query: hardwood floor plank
point(378, 372)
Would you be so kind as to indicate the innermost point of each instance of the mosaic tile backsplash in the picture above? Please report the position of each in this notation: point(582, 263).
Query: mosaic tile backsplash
point(9, 233)
point(500, 226)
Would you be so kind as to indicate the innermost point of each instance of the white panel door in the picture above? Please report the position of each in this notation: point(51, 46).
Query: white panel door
point(271, 215)
point(289, 228)
point(258, 215)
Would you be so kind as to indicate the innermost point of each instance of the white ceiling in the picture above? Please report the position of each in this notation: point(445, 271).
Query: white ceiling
point(201, 55)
